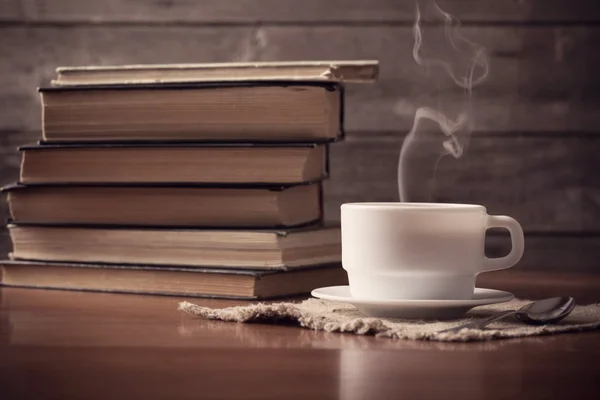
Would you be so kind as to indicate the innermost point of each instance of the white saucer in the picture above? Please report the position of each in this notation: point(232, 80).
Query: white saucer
point(414, 309)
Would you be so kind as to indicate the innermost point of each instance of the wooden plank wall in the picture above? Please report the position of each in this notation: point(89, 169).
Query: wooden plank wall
point(533, 154)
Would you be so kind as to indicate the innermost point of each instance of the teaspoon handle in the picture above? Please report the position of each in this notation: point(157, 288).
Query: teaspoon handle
point(478, 324)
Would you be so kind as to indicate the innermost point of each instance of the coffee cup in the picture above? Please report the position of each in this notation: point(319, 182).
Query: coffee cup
point(420, 251)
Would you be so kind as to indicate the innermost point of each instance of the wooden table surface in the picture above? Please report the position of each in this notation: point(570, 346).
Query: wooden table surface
point(67, 345)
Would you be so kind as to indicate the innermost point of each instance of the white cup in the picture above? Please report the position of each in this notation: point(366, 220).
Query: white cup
point(420, 251)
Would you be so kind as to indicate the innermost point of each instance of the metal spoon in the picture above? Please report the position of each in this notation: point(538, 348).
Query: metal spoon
point(539, 312)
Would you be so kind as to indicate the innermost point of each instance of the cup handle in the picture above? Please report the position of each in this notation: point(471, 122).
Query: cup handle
point(517, 240)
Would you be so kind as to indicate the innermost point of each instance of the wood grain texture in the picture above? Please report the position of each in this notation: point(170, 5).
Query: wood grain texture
point(19, 100)
point(10, 161)
point(551, 253)
point(311, 11)
point(540, 181)
point(12, 10)
point(76, 345)
point(10, 158)
point(541, 78)
point(590, 180)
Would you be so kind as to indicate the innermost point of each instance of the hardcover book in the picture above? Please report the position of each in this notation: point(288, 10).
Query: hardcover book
point(217, 112)
point(169, 280)
point(173, 206)
point(272, 249)
point(171, 163)
point(332, 71)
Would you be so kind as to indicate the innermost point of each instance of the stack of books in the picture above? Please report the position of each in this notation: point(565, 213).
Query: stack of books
point(201, 180)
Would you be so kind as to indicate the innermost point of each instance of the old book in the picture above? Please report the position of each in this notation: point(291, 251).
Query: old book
point(339, 71)
point(175, 206)
point(170, 280)
point(232, 248)
point(234, 111)
point(174, 163)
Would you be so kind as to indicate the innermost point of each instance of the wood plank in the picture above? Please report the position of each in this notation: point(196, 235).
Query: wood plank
point(540, 181)
point(10, 158)
point(547, 283)
point(10, 161)
point(541, 79)
point(22, 71)
point(291, 11)
point(588, 163)
point(552, 253)
point(12, 10)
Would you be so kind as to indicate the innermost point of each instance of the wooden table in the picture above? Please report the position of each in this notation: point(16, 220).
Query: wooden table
point(65, 345)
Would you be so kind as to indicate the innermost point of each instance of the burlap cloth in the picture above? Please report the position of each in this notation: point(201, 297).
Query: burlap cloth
point(323, 315)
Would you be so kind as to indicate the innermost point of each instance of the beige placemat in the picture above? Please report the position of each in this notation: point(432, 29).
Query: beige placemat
point(323, 315)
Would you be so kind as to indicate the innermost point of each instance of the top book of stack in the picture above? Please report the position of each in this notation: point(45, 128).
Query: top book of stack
point(352, 71)
point(227, 102)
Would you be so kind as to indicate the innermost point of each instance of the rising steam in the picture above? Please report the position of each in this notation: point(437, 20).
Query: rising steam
point(462, 61)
